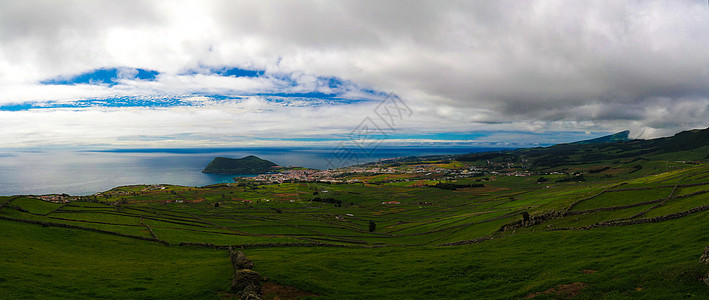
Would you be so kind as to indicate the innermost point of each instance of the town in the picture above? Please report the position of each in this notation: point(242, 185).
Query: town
point(439, 170)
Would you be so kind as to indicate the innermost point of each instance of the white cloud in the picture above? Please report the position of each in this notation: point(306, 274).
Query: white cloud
point(537, 66)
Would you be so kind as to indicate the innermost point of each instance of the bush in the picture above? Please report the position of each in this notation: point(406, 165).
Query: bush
point(598, 170)
point(329, 200)
point(453, 186)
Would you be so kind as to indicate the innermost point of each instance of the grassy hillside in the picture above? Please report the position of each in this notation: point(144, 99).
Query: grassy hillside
point(247, 165)
point(591, 220)
point(622, 136)
point(622, 232)
point(52, 262)
point(686, 146)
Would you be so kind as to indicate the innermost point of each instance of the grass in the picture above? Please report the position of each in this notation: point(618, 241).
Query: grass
point(680, 204)
point(42, 262)
point(175, 236)
point(511, 267)
point(597, 217)
point(35, 206)
point(611, 199)
point(657, 260)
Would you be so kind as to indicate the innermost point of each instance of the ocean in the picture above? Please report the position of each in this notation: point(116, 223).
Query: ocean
point(88, 172)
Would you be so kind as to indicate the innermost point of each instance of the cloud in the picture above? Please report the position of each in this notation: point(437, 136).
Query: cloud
point(504, 66)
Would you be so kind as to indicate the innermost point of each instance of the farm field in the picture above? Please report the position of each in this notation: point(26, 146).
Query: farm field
point(282, 150)
point(513, 237)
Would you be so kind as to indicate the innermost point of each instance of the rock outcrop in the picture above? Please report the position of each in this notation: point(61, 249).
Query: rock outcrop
point(239, 261)
point(705, 260)
point(705, 256)
point(247, 282)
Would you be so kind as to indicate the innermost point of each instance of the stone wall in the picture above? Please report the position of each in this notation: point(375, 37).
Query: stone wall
point(640, 221)
point(685, 185)
point(209, 245)
point(281, 245)
point(8, 201)
point(247, 282)
point(52, 224)
point(580, 212)
point(473, 241)
point(629, 189)
point(533, 220)
point(582, 200)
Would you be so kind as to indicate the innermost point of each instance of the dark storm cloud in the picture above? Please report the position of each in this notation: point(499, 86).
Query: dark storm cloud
point(61, 36)
point(462, 65)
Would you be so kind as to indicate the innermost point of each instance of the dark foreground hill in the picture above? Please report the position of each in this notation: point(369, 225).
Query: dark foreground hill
point(247, 165)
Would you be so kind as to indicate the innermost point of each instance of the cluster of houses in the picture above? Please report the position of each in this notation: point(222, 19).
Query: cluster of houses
point(293, 175)
point(154, 187)
point(57, 198)
point(333, 176)
point(308, 175)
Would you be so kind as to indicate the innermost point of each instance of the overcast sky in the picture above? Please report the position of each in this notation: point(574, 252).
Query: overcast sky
point(117, 74)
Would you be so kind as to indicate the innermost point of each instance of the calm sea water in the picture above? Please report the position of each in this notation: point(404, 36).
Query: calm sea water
point(85, 173)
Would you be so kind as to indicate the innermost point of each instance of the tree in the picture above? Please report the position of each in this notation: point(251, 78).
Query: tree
point(372, 226)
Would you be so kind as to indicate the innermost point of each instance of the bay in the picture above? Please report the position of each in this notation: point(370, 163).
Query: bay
point(89, 172)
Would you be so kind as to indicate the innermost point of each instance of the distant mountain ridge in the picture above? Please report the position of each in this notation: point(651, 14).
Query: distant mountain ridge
point(613, 138)
point(686, 145)
point(247, 165)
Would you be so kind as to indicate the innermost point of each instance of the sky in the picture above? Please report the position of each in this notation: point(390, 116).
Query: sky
point(176, 74)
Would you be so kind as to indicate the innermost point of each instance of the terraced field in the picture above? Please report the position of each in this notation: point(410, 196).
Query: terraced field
point(618, 237)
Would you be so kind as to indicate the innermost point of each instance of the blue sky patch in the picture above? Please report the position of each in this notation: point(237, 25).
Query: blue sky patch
point(104, 76)
point(17, 107)
point(283, 99)
point(326, 87)
point(236, 72)
point(290, 89)
point(100, 102)
point(316, 95)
